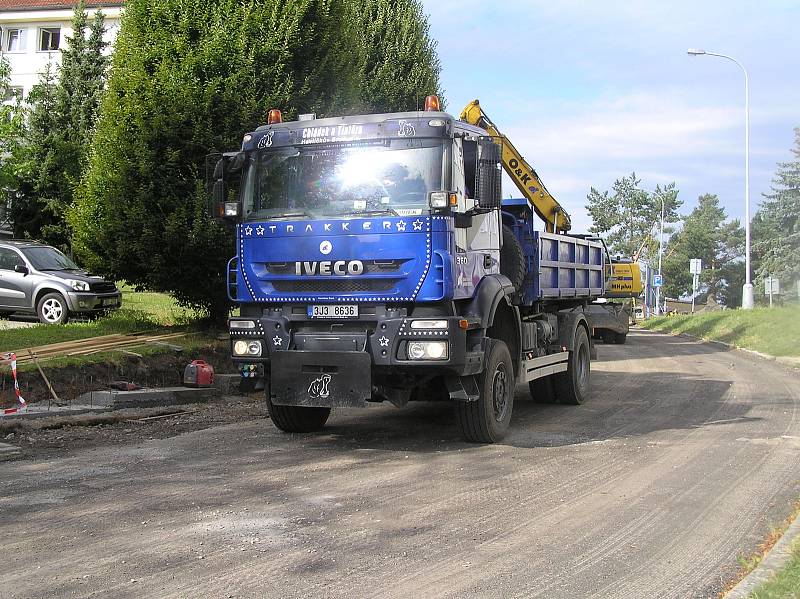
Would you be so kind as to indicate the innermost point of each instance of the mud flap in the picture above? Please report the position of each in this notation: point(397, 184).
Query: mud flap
point(320, 379)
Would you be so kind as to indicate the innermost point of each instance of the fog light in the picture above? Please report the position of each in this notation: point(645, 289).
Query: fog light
point(427, 350)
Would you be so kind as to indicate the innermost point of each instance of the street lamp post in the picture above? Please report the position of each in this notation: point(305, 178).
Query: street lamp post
point(660, 253)
point(747, 289)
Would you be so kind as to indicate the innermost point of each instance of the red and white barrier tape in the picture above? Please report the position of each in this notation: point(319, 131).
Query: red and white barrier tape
point(23, 405)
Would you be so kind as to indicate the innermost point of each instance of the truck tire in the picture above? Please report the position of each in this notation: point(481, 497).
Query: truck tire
point(486, 420)
point(620, 338)
point(512, 260)
point(572, 386)
point(52, 309)
point(297, 419)
point(542, 390)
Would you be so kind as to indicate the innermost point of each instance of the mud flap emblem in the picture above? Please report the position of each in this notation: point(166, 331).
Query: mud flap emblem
point(319, 387)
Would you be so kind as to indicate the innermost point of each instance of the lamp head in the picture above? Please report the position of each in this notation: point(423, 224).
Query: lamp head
point(695, 51)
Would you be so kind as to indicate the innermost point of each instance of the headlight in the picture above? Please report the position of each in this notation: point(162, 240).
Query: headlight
point(242, 324)
point(427, 350)
point(429, 324)
point(78, 285)
point(247, 348)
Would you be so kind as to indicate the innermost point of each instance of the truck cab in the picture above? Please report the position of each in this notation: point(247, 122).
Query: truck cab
point(373, 264)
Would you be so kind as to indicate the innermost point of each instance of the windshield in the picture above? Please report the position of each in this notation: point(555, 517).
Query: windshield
point(48, 258)
point(345, 180)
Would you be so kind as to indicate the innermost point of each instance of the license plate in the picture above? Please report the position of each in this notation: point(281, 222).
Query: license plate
point(109, 302)
point(333, 311)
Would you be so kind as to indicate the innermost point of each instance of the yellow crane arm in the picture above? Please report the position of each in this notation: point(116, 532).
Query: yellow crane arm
point(524, 176)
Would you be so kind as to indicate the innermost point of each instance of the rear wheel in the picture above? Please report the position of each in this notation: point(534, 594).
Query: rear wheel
point(486, 420)
point(296, 419)
point(542, 390)
point(620, 338)
point(572, 386)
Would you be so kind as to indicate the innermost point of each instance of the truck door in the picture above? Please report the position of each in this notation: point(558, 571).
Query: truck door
point(14, 286)
point(478, 247)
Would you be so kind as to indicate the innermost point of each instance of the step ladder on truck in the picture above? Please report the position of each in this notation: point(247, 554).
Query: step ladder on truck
point(376, 261)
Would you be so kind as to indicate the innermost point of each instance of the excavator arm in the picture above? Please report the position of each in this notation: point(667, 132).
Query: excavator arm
point(624, 279)
point(524, 176)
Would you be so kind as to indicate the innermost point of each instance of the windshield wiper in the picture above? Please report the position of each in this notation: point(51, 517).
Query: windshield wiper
point(389, 211)
point(291, 215)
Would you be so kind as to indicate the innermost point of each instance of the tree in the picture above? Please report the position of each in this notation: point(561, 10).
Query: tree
point(400, 65)
point(707, 235)
point(629, 216)
point(64, 107)
point(12, 122)
point(190, 77)
point(776, 225)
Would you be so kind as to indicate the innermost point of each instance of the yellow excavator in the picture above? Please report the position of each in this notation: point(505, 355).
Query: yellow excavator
point(624, 279)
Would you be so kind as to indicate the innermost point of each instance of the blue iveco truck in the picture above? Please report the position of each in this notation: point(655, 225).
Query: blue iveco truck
point(377, 262)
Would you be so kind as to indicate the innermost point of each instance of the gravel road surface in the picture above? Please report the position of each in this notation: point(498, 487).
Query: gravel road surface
point(681, 461)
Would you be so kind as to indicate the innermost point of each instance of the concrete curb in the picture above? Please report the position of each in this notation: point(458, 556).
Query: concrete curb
point(775, 560)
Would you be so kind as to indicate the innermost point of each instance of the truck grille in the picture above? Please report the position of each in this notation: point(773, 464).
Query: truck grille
point(102, 287)
point(370, 267)
point(335, 286)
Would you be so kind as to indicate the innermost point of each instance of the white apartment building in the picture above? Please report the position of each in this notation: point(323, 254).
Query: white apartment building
point(33, 32)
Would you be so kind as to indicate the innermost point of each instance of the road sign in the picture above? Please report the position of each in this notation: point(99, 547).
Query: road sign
point(695, 266)
point(772, 286)
point(658, 280)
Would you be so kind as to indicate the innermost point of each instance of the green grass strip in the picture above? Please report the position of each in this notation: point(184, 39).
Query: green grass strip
point(774, 331)
point(786, 583)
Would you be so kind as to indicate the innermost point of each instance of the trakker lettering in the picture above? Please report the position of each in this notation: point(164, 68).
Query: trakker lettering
point(327, 267)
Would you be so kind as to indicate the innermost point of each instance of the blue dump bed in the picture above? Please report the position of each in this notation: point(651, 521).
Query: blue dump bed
point(558, 266)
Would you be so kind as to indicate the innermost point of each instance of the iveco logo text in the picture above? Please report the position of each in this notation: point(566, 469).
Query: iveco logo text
point(328, 267)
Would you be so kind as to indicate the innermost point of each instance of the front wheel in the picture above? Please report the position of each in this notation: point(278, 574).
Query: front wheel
point(52, 309)
point(297, 419)
point(486, 420)
point(572, 386)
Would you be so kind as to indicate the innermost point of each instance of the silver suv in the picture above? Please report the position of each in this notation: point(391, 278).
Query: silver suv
point(37, 278)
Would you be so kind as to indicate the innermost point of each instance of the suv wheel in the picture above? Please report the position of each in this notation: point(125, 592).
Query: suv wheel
point(52, 309)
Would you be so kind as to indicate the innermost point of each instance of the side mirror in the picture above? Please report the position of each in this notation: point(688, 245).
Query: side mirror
point(488, 175)
point(21, 268)
point(220, 168)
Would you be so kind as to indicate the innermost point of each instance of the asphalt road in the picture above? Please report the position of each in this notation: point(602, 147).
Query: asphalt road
point(679, 464)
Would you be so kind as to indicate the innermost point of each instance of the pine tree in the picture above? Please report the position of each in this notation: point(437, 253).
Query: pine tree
point(628, 217)
point(190, 77)
point(706, 234)
point(776, 226)
point(63, 112)
point(400, 64)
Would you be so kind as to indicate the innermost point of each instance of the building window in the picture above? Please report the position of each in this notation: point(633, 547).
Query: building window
point(15, 40)
point(13, 93)
point(49, 38)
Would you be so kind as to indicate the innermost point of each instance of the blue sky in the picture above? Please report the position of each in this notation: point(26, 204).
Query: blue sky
point(590, 91)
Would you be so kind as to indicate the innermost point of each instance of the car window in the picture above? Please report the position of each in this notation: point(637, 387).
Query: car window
point(9, 259)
